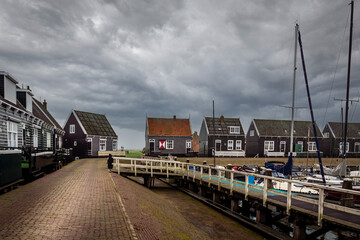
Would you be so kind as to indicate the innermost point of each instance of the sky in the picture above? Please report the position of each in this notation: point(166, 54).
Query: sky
point(131, 59)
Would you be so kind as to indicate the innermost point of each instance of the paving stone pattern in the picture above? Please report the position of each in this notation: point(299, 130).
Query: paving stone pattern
point(78, 201)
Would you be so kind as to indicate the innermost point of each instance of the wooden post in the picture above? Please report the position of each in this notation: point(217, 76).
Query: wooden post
point(268, 172)
point(216, 197)
point(146, 164)
point(288, 199)
point(347, 199)
point(201, 174)
point(299, 229)
point(235, 205)
point(167, 171)
point(219, 180)
point(188, 169)
point(321, 206)
point(231, 182)
point(118, 165)
point(151, 169)
point(209, 184)
point(194, 173)
point(202, 190)
point(246, 187)
point(182, 170)
point(135, 167)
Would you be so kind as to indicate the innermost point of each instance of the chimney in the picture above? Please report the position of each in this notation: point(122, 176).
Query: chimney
point(222, 119)
point(174, 117)
point(45, 104)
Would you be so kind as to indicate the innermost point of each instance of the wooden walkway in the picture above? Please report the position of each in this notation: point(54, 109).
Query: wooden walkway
point(314, 207)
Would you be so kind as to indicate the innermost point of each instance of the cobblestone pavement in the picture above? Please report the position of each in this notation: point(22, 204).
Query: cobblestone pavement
point(79, 201)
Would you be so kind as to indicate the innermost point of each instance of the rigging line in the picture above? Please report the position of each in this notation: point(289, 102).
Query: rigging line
point(336, 67)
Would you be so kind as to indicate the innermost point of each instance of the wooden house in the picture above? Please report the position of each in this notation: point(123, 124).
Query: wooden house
point(89, 135)
point(195, 143)
point(271, 138)
point(333, 138)
point(224, 135)
point(164, 136)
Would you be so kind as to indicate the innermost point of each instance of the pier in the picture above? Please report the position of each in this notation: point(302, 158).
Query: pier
point(271, 207)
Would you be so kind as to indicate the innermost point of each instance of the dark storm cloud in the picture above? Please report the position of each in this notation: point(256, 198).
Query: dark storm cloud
point(163, 58)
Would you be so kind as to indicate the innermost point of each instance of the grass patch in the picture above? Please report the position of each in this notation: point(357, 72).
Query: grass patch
point(134, 154)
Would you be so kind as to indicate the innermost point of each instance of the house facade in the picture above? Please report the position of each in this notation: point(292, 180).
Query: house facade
point(271, 138)
point(224, 136)
point(333, 138)
point(89, 135)
point(164, 136)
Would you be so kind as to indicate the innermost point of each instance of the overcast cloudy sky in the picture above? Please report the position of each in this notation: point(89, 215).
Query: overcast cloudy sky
point(130, 58)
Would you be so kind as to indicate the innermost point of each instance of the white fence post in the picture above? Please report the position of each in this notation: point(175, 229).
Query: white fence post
point(219, 179)
point(194, 173)
point(232, 182)
point(288, 198)
point(201, 174)
point(265, 191)
point(321, 206)
point(118, 165)
point(135, 167)
point(187, 169)
point(151, 168)
point(209, 184)
point(182, 170)
point(167, 171)
point(246, 187)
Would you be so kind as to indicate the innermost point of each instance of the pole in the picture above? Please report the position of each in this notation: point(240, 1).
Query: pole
point(311, 110)
point(348, 80)
point(214, 129)
point(293, 91)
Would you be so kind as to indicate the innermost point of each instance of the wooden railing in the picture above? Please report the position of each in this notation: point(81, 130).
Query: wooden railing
point(201, 172)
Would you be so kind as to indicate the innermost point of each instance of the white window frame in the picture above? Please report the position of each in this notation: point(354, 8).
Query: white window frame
point(312, 147)
point(302, 145)
point(72, 128)
point(282, 142)
point(238, 145)
point(188, 144)
point(230, 145)
point(234, 129)
point(114, 145)
point(341, 147)
point(35, 138)
point(356, 144)
point(102, 144)
point(169, 144)
point(252, 133)
point(12, 134)
point(326, 135)
point(48, 140)
point(269, 146)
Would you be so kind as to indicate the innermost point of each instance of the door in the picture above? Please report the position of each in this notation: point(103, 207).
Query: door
point(151, 146)
point(89, 142)
point(282, 146)
point(217, 145)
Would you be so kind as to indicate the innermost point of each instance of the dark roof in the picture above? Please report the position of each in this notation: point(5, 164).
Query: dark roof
point(53, 121)
point(95, 124)
point(222, 125)
point(39, 114)
point(353, 129)
point(283, 128)
point(168, 127)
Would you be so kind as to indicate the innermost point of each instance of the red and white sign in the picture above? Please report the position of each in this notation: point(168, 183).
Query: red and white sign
point(162, 144)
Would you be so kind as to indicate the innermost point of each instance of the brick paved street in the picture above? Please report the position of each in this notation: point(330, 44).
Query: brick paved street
point(77, 202)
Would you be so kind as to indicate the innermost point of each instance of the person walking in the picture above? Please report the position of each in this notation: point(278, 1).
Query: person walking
point(110, 162)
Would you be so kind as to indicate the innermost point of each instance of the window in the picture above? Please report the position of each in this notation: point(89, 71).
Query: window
point(252, 133)
point(341, 147)
point(230, 144)
point(12, 134)
point(312, 147)
point(36, 138)
point(60, 142)
point(169, 144)
point(268, 146)
point(72, 128)
point(102, 144)
point(48, 140)
point(114, 146)
point(357, 147)
point(326, 135)
point(235, 129)
point(188, 143)
point(238, 144)
point(75, 143)
point(282, 146)
point(89, 140)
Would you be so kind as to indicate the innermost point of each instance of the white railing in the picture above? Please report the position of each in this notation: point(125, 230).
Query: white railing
point(200, 172)
point(230, 153)
point(274, 154)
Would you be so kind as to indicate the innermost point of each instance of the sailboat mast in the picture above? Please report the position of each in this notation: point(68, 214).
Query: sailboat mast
point(293, 92)
point(348, 80)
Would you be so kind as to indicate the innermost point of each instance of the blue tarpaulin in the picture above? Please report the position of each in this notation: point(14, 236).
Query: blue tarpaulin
point(285, 169)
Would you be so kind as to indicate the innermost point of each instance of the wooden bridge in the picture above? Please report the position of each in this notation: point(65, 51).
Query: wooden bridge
point(300, 209)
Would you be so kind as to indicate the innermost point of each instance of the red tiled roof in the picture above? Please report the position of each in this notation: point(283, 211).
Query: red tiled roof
point(169, 127)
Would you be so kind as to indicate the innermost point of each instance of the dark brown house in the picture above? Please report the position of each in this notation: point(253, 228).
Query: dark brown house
point(226, 136)
point(271, 138)
point(89, 134)
point(333, 138)
point(164, 136)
